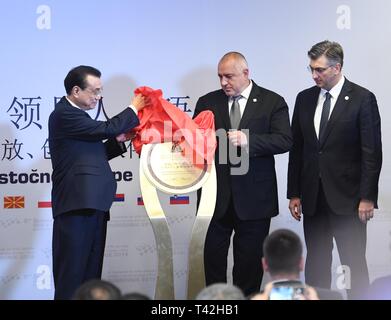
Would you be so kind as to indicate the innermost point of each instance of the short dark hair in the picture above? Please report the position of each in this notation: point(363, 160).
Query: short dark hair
point(97, 289)
point(282, 251)
point(331, 50)
point(77, 77)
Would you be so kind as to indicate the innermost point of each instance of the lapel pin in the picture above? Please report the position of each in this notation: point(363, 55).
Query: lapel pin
point(255, 100)
point(346, 98)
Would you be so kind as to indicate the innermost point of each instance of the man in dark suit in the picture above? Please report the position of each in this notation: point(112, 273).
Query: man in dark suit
point(83, 183)
point(379, 289)
point(283, 260)
point(258, 123)
point(334, 168)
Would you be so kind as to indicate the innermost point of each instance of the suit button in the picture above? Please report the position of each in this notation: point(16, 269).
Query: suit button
point(320, 152)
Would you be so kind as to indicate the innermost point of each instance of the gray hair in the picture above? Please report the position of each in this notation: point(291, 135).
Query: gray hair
point(221, 291)
point(331, 50)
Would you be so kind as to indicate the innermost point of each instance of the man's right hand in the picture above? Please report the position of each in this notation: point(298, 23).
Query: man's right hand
point(138, 102)
point(295, 208)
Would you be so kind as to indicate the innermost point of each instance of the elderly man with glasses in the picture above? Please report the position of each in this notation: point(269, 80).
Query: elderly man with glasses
point(83, 182)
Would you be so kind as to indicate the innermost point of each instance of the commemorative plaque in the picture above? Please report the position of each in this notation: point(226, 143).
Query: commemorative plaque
point(163, 166)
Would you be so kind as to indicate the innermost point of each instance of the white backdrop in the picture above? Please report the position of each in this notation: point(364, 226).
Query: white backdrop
point(172, 45)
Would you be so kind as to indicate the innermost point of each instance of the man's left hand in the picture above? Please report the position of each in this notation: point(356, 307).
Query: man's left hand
point(237, 138)
point(365, 210)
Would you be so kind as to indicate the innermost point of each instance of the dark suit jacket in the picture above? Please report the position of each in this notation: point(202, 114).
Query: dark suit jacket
point(350, 157)
point(82, 177)
point(380, 289)
point(267, 119)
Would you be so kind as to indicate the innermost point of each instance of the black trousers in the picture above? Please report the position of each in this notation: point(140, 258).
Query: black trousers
point(247, 250)
point(350, 236)
point(78, 246)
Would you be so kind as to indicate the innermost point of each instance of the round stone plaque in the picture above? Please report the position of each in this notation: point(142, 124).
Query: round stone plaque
point(170, 171)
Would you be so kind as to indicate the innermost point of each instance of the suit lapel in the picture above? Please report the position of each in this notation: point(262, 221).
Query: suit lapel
point(312, 103)
point(253, 104)
point(222, 110)
point(341, 104)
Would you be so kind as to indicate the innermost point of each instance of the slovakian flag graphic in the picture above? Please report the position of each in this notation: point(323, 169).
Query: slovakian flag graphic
point(179, 200)
point(119, 197)
point(44, 204)
point(140, 201)
point(13, 202)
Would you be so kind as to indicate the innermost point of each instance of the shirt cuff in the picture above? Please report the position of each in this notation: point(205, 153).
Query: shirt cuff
point(133, 108)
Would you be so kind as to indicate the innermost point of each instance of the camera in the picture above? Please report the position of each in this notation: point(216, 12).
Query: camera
point(287, 292)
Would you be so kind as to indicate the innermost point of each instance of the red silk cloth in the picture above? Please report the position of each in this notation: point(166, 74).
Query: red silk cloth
point(161, 121)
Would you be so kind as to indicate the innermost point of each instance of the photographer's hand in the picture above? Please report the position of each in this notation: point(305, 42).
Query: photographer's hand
point(310, 293)
point(265, 294)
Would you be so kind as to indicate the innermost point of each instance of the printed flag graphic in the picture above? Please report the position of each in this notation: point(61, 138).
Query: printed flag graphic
point(44, 204)
point(13, 202)
point(140, 201)
point(119, 197)
point(179, 200)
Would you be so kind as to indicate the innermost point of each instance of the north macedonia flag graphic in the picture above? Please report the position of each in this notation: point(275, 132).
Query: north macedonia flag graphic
point(13, 202)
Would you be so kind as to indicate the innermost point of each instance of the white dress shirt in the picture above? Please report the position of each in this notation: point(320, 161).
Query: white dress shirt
point(242, 100)
point(334, 92)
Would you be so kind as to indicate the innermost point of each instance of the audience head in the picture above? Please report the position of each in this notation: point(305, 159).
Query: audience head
point(220, 291)
point(135, 296)
point(282, 254)
point(97, 289)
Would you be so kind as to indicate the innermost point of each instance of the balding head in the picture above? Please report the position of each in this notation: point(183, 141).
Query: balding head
point(233, 73)
point(237, 58)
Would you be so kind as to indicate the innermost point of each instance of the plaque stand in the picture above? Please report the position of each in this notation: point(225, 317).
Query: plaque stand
point(163, 167)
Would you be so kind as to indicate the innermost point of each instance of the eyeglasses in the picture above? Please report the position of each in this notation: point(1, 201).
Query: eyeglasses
point(96, 92)
point(318, 70)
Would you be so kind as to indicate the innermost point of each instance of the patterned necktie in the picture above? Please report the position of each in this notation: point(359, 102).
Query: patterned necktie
point(325, 116)
point(234, 114)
